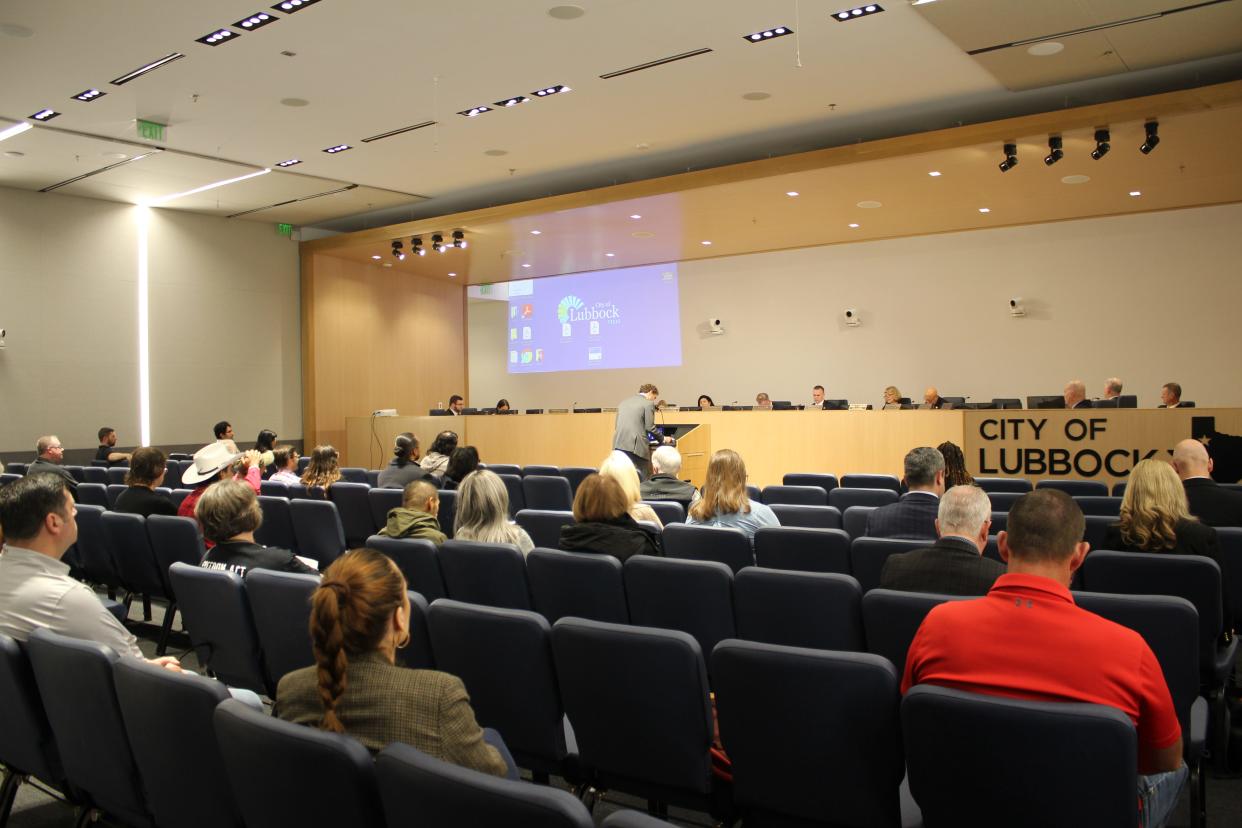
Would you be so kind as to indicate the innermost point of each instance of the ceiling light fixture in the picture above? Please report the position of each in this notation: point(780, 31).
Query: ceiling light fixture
point(217, 37)
point(525, 265)
point(1011, 158)
point(635, 216)
point(507, 102)
point(338, 148)
point(416, 246)
point(288, 163)
point(89, 95)
point(437, 243)
point(459, 240)
point(1152, 138)
point(256, 21)
point(610, 255)
point(854, 226)
point(855, 13)
point(452, 274)
point(1135, 193)
point(934, 173)
point(16, 129)
point(551, 90)
point(377, 256)
point(1101, 144)
point(397, 252)
point(767, 34)
point(45, 115)
point(162, 199)
point(291, 6)
point(142, 70)
point(705, 243)
point(1055, 153)
point(536, 232)
point(399, 131)
point(985, 209)
point(792, 193)
point(472, 112)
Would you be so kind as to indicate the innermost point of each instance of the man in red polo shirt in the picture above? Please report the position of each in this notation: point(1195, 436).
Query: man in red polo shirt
point(1027, 639)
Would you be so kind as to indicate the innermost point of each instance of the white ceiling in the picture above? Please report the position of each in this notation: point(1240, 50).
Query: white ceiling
point(369, 66)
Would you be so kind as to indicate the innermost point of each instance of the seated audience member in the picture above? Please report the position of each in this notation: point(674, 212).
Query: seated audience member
point(955, 472)
point(1112, 388)
point(932, 398)
point(604, 524)
point(620, 468)
point(224, 434)
point(229, 514)
point(49, 454)
point(955, 564)
point(502, 404)
point(1210, 502)
point(265, 445)
point(456, 404)
point(1170, 395)
point(146, 473)
point(1026, 639)
point(403, 469)
point(215, 462)
point(817, 397)
point(462, 461)
point(40, 524)
point(763, 402)
point(914, 515)
point(892, 396)
point(107, 452)
point(724, 501)
point(705, 402)
point(436, 461)
point(322, 471)
point(664, 483)
point(360, 617)
point(1075, 394)
point(483, 512)
point(416, 517)
point(285, 465)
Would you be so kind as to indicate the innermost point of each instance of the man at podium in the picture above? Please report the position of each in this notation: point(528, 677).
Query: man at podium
point(635, 420)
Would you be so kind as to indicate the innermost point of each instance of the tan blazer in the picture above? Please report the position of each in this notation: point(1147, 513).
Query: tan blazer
point(384, 703)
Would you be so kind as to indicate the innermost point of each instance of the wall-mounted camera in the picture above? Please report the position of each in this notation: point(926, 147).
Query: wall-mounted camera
point(714, 326)
point(851, 317)
point(1015, 307)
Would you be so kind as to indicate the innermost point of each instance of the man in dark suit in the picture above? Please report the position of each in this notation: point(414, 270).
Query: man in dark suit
point(1211, 503)
point(955, 564)
point(635, 418)
point(1076, 394)
point(914, 516)
point(1171, 396)
point(50, 454)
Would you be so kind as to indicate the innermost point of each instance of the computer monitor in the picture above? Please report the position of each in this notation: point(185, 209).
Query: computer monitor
point(836, 405)
point(1049, 401)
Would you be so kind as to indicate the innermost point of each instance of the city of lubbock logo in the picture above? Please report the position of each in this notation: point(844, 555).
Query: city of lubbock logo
point(567, 304)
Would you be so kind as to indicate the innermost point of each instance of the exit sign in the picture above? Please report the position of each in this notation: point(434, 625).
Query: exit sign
point(284, 229)
point(150, 130)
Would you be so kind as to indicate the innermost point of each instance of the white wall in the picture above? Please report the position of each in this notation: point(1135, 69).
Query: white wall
point(224, 332)
point(1151, 298)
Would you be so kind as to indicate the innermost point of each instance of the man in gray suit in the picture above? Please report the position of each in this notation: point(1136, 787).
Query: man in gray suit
point(636, 417)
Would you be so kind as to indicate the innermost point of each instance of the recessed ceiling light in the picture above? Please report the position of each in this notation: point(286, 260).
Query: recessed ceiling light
point(476, 110)
point(256, 21)
point(1044, 49)
point(288, 163)
point(756, 96)
point(1077, 178)
point(452, 274)
point(525, 265)
point(495, 152)
point(857, 12)
point(89, 95)
point(142, 70)
point(985, 209)
point(635, 216)
point(14, 154)
point(294, 102)
point(338, 148)
point(853, 226)
point(643, 234)
point(291, 6)
point(555, 89)
point(705, 242)
point(870, 205)
point(45, 115)
point(377, 256)
point(514, 101)
point(536, 232)
point(767, 34)
point(217, 38)
point(934, 173)
point(566, 12)
point(16, 129)
point(1136, 193)
point(387, 264)
point(610, 255)
point(792, 193)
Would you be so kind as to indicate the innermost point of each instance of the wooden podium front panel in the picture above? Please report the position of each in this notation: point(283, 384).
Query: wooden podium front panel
point(368, 440)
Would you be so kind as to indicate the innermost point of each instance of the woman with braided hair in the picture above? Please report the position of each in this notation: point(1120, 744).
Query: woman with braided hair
point(360, 617)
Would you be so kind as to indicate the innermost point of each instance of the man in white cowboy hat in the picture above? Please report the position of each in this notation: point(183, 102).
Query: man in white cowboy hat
point(214, 462)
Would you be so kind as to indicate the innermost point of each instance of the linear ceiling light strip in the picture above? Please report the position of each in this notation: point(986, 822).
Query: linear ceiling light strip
point(391, 133)
point(77, 178)
point(654, 63)
point(294, 201)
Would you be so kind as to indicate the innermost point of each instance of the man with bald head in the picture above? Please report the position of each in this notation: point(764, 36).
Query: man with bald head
point(932, 398)
point(1212, 504)
point(955, 564)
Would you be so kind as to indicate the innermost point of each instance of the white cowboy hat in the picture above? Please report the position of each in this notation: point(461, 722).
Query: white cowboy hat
point(209, 461)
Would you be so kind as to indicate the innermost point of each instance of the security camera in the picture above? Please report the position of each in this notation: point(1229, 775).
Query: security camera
point(851, 317)
point(2, 332)
point(1015, 307)
point(714, 326)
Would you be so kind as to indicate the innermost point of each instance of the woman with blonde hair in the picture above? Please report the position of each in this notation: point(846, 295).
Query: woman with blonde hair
point(483, 512)
point(322, 471)
point(892, 396)
point(360, 617)
point(725, 502)
point(620, 468)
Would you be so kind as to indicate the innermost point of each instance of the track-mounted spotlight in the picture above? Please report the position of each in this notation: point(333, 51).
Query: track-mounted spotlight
point(1101, 144)
point(437, 243)
point(1152, 138)
point(459, 239)
point(416, 247)
point(1055, 152)
point(1011, 158)
point(397, 252)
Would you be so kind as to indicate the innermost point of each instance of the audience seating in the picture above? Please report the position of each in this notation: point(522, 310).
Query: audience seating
point(1096, 530)
point(854, 520)
point(1230, 539)
point(354, 506)
point(668, 511)
point(280, 606)
point(827, 482)
point(173, 540)
point(709, 543)
point(871, 481)
point(75, 683)
point(350, 474)
point(579, 584)
point(813, 736)
point(695, 597)
point(808, 517)
point(991, 485)
point(93, 494)
point(633, 819)
point(541, 491)
point(795, 495)
point(891, 618)
point(277, 527)
point(381, 502)
point(638, 701)
point(418, 653)
point(18, 469)
point(502, 468)
point(540, 471)
point(447, 512)
point(417, 789)
point(274, 764)
point(113, 492)
point(1119, 489)
point(847, 498)
point(418, 560)
point(373, 477)
point(1099, 505)
point(177, 496)
point(135, 563)
point(1000, 523)
point(97, 474)
point(491, 574)
point(1075, 488)
point(1003, 501)
point(303, 462)
point(805, 550)
point(317, 530)
point(93, 551)
point(575, 475)
point(168, 718)
point(965, 770)
point(7, 478)
point(754, 493)
point(544, 525)
point(868, 556)
point(819, 610)
point(504, 657)
point(116, 474)
point(517, 497)
point(216, 613)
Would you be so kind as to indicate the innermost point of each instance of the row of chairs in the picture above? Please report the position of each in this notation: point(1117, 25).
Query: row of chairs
point(107, 742)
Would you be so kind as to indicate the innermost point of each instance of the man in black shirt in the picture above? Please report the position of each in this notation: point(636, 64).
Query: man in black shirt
point(107, 448)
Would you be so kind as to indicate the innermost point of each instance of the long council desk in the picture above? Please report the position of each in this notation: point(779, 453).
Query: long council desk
point(1092, 444)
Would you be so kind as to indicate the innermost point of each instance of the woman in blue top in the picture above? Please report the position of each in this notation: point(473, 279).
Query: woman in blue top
point(724, 501)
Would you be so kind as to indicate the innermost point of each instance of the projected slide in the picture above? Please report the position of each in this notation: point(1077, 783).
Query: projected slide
point(626, 318)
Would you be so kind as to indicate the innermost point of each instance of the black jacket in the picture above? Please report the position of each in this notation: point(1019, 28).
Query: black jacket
point(1212, 503)
point(139, 500)
point(912, 517)
point(953, 566)
point(620, 538)
point(239, 557)
point(41, 466)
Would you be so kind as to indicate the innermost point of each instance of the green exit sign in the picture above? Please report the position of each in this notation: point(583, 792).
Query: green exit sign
point(284, 229)
point(150, 130)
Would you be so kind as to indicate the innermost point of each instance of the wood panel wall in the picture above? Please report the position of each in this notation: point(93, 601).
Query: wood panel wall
point(373, 337)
